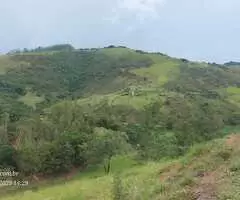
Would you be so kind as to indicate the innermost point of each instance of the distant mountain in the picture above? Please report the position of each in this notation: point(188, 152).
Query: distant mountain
point(232, 64)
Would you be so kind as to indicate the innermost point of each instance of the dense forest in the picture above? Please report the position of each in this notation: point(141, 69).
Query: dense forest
point(62, 107)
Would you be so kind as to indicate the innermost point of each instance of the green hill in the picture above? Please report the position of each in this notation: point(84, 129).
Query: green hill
point(63, 109)
point(56, 73)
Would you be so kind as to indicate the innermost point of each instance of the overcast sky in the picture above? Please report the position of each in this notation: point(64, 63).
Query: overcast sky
point(196, 29)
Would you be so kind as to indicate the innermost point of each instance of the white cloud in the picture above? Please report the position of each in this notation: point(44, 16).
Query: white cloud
point(139, 9)
point(142, 9)
point(140, 5)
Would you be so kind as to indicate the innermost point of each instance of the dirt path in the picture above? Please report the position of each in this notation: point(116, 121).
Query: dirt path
point(206, 189)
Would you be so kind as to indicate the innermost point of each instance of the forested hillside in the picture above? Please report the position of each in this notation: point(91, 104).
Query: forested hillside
point(63, 108)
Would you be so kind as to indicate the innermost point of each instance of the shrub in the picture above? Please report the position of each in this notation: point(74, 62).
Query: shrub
point(7, 154)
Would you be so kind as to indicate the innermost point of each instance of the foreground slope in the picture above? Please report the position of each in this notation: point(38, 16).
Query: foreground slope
point(207, 171)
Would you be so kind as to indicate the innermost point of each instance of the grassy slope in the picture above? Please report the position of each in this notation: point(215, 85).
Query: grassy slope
point(31, 99)
point(234, 95)
point(161, 71)
point(208, 171)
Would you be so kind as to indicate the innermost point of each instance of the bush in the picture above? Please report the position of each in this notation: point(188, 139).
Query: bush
point(7, 155)
point(58, 158)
